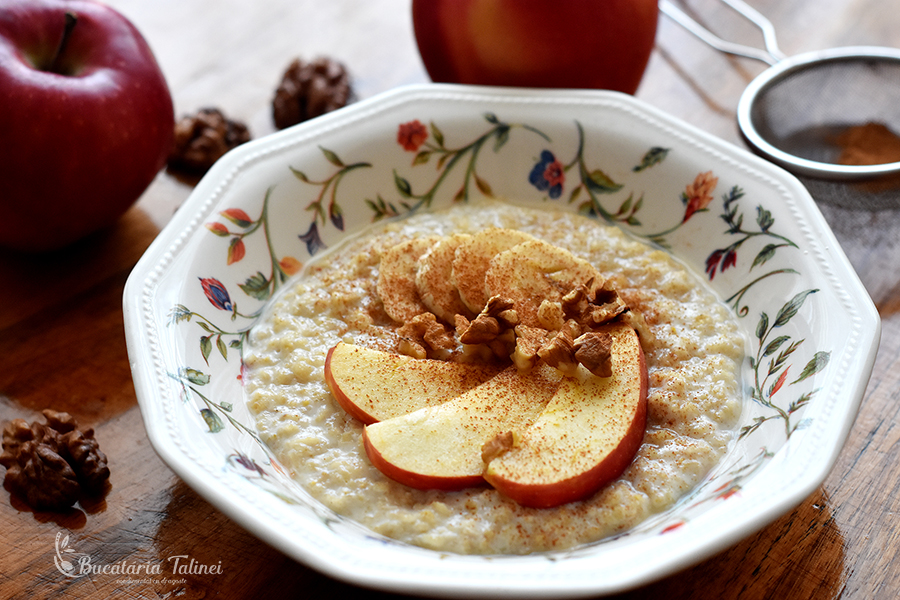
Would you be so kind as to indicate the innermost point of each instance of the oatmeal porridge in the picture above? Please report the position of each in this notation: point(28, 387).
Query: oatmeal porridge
point(693, 361)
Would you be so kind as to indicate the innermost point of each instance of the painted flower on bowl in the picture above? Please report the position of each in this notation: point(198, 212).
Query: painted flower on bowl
point(412, 135)
point(699, 193)
point(216, 293)
point(548, 175)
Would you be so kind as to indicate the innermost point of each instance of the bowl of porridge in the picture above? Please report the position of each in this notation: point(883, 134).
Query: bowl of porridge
point(394, 234)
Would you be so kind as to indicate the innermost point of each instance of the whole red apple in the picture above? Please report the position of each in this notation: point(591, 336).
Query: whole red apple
point(603, 44)
point(86, 120)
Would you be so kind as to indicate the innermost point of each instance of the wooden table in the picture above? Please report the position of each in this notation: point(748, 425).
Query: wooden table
point(63, 346)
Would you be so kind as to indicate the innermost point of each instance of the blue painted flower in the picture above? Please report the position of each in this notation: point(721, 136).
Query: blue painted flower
point(548, 175)
point(312, 239)
point(217, 294)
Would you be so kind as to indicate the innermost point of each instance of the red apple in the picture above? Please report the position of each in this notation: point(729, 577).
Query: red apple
point(86, 120)
point(603, 44)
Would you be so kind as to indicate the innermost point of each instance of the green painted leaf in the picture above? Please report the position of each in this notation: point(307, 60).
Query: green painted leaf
point(791, 308)
point(205, 347)
point(213, 422)
point(600, 182)
point(402, 186)
point(491, 118)
point(653, 156)
point(764, 218)
point(764, 255)
point(773, 346)
point(437, 134)
point(816, 364)
point(194, 376)
point(422, 158)
point(484, 187)
point(220, 344)
point(502, 137)
point(179, 313)
point(332, 157)
point(799, 403)
point(762, 327)
point(300, 175)
point(256, 286)
point(574, 195)
point(782, 357)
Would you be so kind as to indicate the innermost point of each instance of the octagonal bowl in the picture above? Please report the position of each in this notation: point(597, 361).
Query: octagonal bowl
point(267, 207)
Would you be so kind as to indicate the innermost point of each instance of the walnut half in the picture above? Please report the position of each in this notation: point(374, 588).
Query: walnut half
point(52, 464)
point(594, 350)
point(498, 445)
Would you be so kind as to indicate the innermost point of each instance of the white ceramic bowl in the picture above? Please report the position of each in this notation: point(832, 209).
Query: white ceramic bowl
point(270, 204)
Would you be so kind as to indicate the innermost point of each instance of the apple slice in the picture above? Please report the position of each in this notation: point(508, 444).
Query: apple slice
point(440, 447)
point(372, 385)
point(585, 438)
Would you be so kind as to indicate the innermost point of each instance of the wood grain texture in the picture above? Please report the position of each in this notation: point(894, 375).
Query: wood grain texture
point(63, 345)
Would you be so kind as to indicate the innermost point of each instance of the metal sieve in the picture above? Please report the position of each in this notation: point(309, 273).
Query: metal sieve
point(818, 113)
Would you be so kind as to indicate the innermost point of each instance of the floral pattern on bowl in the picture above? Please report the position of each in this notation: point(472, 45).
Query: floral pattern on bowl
point(265, 209)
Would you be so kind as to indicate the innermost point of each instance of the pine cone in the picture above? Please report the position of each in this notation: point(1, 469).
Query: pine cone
point(202, 139)
point(310, 89)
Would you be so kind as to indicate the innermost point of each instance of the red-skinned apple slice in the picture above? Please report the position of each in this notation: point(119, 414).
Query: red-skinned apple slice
point(587, 435)
point(373, 386)
point(440, 447)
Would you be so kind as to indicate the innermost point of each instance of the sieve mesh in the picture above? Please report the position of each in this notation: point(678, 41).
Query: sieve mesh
point(805, 111)
point(808, 110)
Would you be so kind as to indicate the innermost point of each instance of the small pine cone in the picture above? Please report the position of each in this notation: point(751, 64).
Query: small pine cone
point(310, 89)
point(202, 139)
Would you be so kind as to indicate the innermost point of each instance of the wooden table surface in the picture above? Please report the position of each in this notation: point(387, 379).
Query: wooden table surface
point(62, 341)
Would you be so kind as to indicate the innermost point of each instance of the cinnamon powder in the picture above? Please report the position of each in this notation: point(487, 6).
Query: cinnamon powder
point(869, 144)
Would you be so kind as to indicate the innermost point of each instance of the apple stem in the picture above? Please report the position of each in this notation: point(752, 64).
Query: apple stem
point(71, 21)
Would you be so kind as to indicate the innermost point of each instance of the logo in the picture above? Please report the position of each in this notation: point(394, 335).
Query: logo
point(75, 564)
point(66, 558)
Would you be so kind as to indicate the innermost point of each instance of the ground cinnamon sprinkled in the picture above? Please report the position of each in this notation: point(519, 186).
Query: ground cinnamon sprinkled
point(869, 144)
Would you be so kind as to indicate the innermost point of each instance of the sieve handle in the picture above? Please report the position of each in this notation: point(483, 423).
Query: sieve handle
point(770, 55)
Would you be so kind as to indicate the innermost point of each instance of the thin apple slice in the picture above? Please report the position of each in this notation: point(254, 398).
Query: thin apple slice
point(473, 258)
point(396, 284)
point(372, 385)
point(534, 271)
point(434, 279)
point(440, 447)
point(587, 435)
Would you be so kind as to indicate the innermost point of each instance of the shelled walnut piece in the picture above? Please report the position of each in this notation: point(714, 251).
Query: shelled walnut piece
point(569, 330)
point(50, 465)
